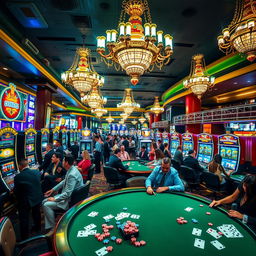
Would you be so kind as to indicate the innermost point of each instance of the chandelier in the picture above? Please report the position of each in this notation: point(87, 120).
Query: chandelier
point(241, 33)
point(156, 108)
point(121, 121)
point(109, 119)
point(94, 98)
point(147, 115)
point(142, 119)
point(124, 116)
point(135, 48)
point(198, 80)
point(99, 112)
point(128, 103)
point(134, 122)
point(81, 75)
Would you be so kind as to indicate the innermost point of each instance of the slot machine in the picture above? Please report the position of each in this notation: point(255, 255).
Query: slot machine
point(30, 147)
point(187, 143)
point(55, 135)
point(64, 138)
point(165, 138)
point(86, 142)
point(205, 149)
point(71, 137)
point(175, 142)
point(78, 136)
point(145, 139)
point(229, 149)
point(8, 156)
point(158, 136)
point(43, 138)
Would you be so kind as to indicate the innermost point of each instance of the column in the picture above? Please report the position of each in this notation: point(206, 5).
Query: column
point(193, 104)
point(79, 122)
point(43, 100)
point(151, 120)
point(157, 118)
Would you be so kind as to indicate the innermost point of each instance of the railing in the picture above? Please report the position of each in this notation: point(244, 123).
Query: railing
point(219, 115)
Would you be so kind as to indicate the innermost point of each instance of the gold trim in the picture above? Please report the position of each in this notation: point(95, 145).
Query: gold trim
point(58, 104)
point(187, 92)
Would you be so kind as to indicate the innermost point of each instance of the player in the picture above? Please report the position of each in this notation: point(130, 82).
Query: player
point(164, 178)
point(245, 197)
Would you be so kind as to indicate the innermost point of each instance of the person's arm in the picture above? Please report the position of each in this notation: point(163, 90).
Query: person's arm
point(120, 166)
point(151, 177)
point(178, 183)
point(226, 200)
point(59, 186)
point(128, 157)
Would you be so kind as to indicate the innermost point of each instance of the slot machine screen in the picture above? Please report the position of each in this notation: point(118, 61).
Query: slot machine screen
point(86, 146)
point(187, 145)
point(205, 153)
point(72, 138)
point(31, 160)
point(64, 140)
point(30, 148)
point(7, 145)
point(30, 143)
point(8, 173)
point(229, 157)
point(174, 145)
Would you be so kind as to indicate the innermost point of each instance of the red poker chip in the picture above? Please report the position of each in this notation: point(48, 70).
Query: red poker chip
point(110, 227)
point(182, 218)
point(107, 234)
point(220, 233)
point(109, 248)
point(180, 221)
point(104, 225)
point(133, 240)
point(119, 240)
point(100, 238)
point(185, 221)
point(208, 213)
point(137, 244)
point(142, 242)
point(201, 205)
point(97, 235)
point(210, 224)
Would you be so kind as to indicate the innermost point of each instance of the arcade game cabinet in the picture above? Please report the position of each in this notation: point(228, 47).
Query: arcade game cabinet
point(43, 138)
point(205, 149)
point(64, 138)
point(86, 142)
point(145, 139)
point(187, 143)
point(175, 142)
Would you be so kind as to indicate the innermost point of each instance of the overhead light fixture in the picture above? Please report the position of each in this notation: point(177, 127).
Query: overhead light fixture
point(142, 119)
point(99, 112)
point(121, 121)
point(128, 104)
point(134, 48)
point(124, 116)
point(134, 122)
point(82, 75)
point(94, 98)
point(240, 35)
point(109, 119)
point(156, 108)
point(198, 81)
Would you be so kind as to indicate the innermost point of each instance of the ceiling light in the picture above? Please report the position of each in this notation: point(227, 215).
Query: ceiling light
point(156, 108)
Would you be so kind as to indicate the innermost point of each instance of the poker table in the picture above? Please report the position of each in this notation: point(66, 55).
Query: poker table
point(157, 225)
point(137, 168)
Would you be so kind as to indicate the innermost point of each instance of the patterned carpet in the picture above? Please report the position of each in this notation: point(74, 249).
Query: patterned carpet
point(98, 184)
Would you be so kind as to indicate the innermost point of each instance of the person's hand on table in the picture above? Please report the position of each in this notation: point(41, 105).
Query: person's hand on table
point(52, 199)
point(161, 189)
point(215, 203)
point(128, 163)
point(235, 214)
point(150, 191)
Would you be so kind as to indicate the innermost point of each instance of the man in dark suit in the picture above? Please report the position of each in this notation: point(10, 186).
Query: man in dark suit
point(192, 162)
point(74, 149)
point(106, 150)
point(143, 155)
point(126, 143)
point(178, 156)
point(59, 148)
point(27, 189)
point(47, 158)
point(160, 145)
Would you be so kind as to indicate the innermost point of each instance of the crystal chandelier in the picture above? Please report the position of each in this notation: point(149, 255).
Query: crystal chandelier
point(124, 116)
point(128, 104)
point(135, 48)
point(198, 80)
point(142, 119)
point(156, 108)
point(109, 119)
point(147, 115)
point(94, 98)
point(99, 112)
point(240, 35)
point(81, 75)
point(121, 121)
point(134, 122)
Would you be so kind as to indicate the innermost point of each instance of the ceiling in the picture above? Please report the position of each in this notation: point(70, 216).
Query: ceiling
point(194, 24)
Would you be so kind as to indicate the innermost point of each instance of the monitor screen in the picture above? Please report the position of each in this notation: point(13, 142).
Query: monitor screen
point(31, 160)
point(55, 136)
point(187, 145)
point(86, 146)
point(44, 144)
point(45, 138)
point(7, 145)
point(6, 152)
point(205, 153)
point(229, 157)
point(30, 139)
point(8, 169)
point(30, 148)
point(9, 181)
point(174, 145)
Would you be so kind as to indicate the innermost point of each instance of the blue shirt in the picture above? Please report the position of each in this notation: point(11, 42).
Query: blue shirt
point(172, 179)
point(98, 147)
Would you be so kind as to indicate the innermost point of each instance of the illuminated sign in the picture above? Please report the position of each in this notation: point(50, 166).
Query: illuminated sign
point(13, 103)
point(229, 139)
point(204, 137)
point(187, 137)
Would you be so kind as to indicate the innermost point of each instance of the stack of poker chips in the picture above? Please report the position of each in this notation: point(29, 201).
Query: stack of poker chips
point(129, 229)
point(106, 233)
point(181, 220)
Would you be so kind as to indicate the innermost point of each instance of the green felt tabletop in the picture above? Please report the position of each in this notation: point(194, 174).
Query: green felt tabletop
point(237, 177)
point(138, 168)
point(158, 226)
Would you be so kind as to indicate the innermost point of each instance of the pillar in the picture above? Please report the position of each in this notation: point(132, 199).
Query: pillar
point(157, 118)
point(193, 104)
point(43, 101)
point(79, 122)
point(151, 120)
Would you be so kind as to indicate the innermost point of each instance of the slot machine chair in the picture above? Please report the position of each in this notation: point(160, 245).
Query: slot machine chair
point(91, 172)
point(10, 247)
point(138, 181)
point(190, 176)
point(113, 178)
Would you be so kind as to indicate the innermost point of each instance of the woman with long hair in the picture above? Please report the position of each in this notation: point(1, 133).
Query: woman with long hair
point(159, 155)
point(85, 164)
point(151, 153)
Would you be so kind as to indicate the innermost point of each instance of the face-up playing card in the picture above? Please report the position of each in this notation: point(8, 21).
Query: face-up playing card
point(213, 233)
point(122, 215)
point(108, 217)
point(196, 232)
point(199, 243)
point(89, 227)
point(102, 251)
point(217, 244)
point(86, 233)
point(230, 231)
point(93, 214)
point(188, 209)
point(135, 216)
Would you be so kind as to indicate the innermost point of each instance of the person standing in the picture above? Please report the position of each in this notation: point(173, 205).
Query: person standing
point(47, 158)
point(74, 149)
point(59, 148)
point(106, 149)
point(125, 143)
point(160, 145)
point(97, 154)
point(84, 165)
point(166, 151)
point(178, 156)
point(27, 189)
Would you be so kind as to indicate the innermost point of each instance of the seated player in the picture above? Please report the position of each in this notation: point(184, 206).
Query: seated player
point(216, 168)
point(72, 181)
point(245, 198)
point(59, 148)
point(160, 145)
point(124, 156)
point(84, 165)
point(115, 161)
point(143, 155)
point(178, 156)
point(151, 153)
point(74, 149)
point(164, 178)
point(166, 151)
point(47, 158)
point(159, 155)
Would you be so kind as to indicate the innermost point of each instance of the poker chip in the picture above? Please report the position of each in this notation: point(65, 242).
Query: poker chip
point(201, 205)
point(118, 222)
point(142, 242)
point(208, 213)
point(105, 241)
point(133, 240)
point(100, 238)
point(104, 225)
point(137, 244)
point(107, 234)
point(107, 221)
point(110, 227)
point(109, 248)
point(125, 208)
point(185, 221)
point(119, 240)
point(97, 235)
point(113, 238)
point(210, 224)
point(220, 233)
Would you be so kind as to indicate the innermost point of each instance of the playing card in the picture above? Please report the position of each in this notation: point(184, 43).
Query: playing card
point(217, 244)
point(89, 227)
point(108, 217)
point(188, 209)
point(199, 243)
point(135, 216)
point(196, 232)
point(213, 233)
point(102, 251)
point(93, 214)
point(122, 215)
point(230, 231)
point(82, 233)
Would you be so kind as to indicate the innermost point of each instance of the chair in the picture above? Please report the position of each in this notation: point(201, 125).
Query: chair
point(9, 246)
point(190, 176)
point(175, 165)
point(212, 182)
point(113, 178)
point(91, 172)
point(137, 181)
point(79, 194)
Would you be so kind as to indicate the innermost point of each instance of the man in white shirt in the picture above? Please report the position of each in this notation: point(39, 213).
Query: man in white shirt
point(124, 156)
